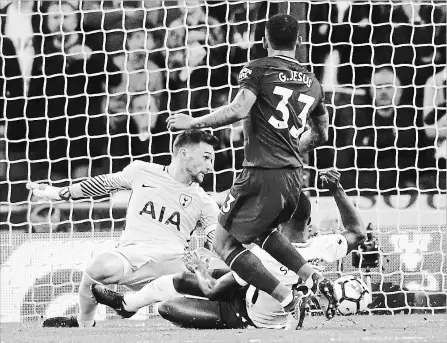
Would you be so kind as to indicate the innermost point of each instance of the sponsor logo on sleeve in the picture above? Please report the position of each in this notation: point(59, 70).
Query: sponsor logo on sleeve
point(244, 73)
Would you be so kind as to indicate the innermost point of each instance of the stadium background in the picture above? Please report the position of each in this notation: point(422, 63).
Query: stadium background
point(89, 94)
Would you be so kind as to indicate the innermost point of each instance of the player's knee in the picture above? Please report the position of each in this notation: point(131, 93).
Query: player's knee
point(106, 268)
point(224, 243)
point(245, 239)
point(218, 247)
point(261, 239)
point(229, 251)
point(223, 248)
point(180, 281)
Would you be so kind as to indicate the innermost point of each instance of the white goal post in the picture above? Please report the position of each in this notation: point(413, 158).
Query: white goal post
point(97, 99)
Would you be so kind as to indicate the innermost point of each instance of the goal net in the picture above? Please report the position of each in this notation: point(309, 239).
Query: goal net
point(87, 87)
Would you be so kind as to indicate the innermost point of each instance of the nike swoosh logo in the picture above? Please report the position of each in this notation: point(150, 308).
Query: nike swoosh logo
point(148, 186)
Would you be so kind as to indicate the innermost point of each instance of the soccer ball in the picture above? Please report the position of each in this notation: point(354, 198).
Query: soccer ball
point(353, 295)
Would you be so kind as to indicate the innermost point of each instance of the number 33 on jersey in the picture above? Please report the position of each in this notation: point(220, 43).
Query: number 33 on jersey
point(287, 95)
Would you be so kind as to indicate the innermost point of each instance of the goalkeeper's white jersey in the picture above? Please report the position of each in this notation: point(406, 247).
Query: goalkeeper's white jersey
point(162, 212)
point(267, 312)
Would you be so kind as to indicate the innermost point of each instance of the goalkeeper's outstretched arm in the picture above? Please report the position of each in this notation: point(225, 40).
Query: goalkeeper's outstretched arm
point(95, 186)
point(355, 228)
point(355, 233)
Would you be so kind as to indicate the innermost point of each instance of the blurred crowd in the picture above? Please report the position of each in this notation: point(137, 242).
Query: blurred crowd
point(87, 86)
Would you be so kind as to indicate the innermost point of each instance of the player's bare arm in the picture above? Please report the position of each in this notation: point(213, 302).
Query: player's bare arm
point(237, 110)
point(318, 133)
point(355, 233)
point(212, 288)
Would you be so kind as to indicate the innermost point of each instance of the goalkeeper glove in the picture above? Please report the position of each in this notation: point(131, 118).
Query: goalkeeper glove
point(329, 179)
point(48, 192)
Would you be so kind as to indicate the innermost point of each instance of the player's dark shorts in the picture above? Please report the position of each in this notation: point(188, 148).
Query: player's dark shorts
point(259, 200)
point(233, 312)
point(232, 305)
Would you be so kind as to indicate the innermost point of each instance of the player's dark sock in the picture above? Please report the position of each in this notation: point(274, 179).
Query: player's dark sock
point(250, 268)
point(284, 252)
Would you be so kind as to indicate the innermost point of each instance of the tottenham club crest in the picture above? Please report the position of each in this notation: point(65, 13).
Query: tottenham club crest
point(185, 200)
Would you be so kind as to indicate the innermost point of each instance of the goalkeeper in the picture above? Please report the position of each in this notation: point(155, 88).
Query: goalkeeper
point(236, 305)
point(164, 208)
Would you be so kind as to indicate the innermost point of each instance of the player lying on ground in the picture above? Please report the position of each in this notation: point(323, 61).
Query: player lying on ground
point(164, 208)
point(277, 97)
point(235, 305)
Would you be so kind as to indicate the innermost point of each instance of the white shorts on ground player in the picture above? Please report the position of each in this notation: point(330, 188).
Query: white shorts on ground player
point(143, 264)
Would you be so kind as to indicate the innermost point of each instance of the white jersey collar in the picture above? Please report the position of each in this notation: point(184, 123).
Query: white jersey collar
point(287, 58)
point(302, 245)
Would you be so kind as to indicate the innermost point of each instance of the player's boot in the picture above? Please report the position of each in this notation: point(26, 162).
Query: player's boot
point(112, 299)
point(62, 322)
point(297, 310)
point(324, 292)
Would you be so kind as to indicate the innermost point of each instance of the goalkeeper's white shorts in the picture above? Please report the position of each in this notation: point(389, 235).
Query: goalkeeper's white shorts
point(143, 265)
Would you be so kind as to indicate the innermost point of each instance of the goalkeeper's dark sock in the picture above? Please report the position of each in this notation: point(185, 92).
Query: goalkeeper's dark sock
point(284, 252)
point(250, 268)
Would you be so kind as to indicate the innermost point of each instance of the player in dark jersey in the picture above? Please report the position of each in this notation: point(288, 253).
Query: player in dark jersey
point(260, 311)
point(276, 99)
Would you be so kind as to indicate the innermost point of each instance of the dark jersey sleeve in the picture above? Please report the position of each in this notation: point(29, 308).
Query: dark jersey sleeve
point(250, 78)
